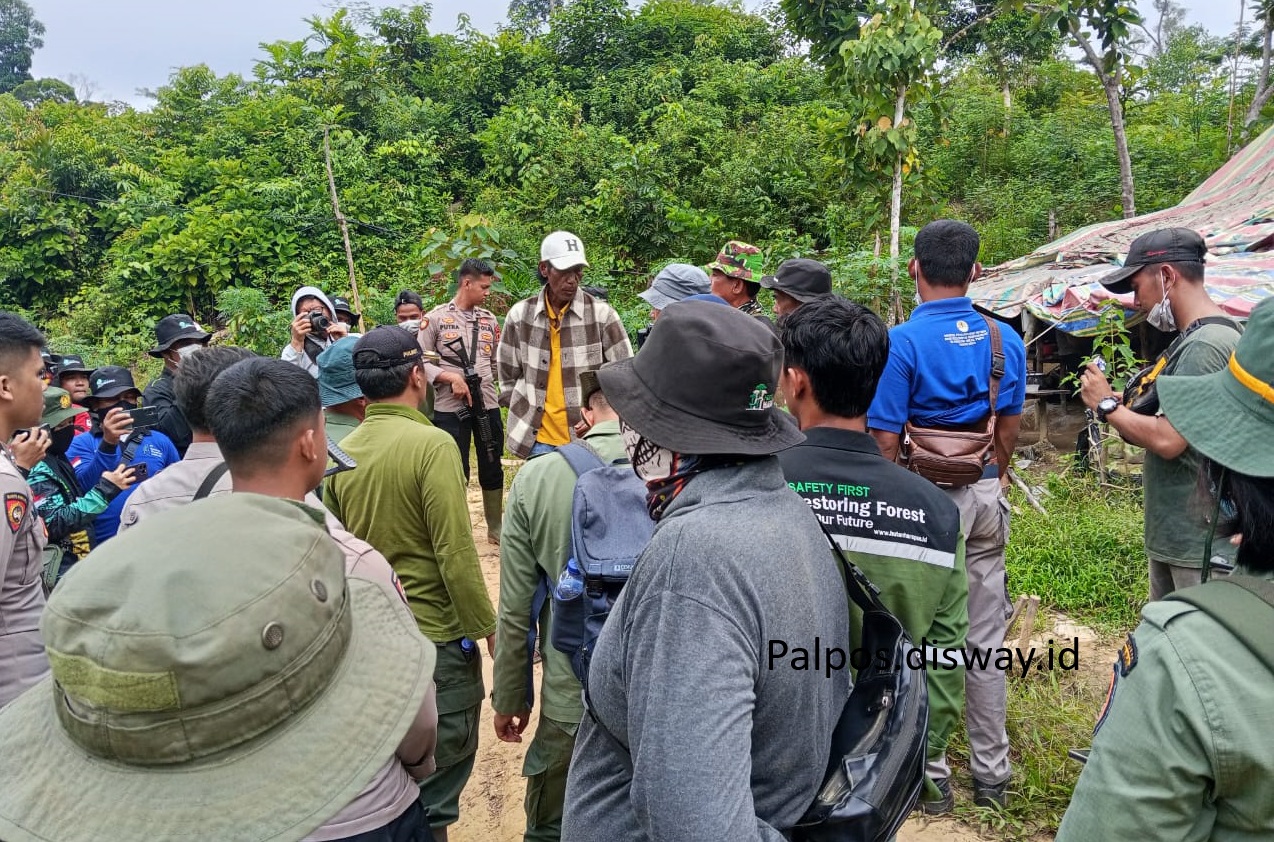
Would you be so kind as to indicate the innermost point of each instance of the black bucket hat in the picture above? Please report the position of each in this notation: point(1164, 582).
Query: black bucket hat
point(1167, 245)
point(342, 305)
point(704, 383)
point(111, 381)
point(175, 328)
point(73, 364)
point(804, 279)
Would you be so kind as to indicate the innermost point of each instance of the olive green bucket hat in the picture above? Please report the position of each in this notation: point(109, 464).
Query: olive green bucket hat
point(1228, 415)
point(58, 406)
point(204, 691)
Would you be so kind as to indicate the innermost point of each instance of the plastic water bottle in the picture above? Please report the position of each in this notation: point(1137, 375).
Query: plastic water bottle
point(571, 583)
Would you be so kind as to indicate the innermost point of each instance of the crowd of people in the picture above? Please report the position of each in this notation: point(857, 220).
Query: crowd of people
point(246, 602)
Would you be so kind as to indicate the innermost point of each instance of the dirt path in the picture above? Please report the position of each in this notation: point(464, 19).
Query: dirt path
point(491, 806)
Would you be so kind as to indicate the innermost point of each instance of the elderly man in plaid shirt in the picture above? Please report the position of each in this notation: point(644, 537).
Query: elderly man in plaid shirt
point(547, 341)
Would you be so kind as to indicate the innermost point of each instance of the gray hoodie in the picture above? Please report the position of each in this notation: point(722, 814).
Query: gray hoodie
point(722, 747)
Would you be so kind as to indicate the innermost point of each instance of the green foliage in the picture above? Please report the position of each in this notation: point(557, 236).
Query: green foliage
point(442, 252)
point(32, 92)
point(1086, 557)
point(251, 320)
point(653, 132)
point(19, 39)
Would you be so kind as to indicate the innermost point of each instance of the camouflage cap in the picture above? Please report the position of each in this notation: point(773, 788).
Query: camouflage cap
point(58, 406)
point(739, 260)
point(187, 674)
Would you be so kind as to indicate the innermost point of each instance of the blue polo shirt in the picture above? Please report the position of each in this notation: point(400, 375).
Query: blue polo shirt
point(90, 461)
point(939, 369)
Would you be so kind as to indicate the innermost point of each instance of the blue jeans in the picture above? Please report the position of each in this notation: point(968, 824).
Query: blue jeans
point(540, 448)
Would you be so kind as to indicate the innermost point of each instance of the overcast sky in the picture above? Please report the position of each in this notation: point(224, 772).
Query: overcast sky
point(119, 46)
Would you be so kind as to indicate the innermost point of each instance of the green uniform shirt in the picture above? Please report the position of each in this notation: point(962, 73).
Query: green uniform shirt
point(535, 541)
point(1175, 529)
point(407, 499)
point(339, 425)
point(1183, 749)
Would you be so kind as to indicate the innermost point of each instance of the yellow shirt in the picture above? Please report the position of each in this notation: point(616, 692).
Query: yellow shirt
point(554, 427)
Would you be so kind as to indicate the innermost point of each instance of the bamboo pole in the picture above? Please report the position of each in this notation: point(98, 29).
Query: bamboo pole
point(344, 226)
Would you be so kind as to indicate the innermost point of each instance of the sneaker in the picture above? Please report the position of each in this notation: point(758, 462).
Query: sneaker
point(990, 795)
point(941, 806)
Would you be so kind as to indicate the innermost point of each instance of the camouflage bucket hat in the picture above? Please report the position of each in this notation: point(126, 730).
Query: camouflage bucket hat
point(200, 692)
point(739, 260)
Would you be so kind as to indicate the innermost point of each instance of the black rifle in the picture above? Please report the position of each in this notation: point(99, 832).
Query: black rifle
point(475, 411)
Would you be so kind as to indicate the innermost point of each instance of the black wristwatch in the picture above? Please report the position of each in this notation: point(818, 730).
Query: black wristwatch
point(1106, 406)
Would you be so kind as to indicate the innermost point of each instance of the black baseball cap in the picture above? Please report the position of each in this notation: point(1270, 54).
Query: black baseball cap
point(1167, 245)
point(111, 381)
point(342, 305)
point(175, 328)
point(73, 364)
point(409, 296)
point(385, 347)
point(802, 278)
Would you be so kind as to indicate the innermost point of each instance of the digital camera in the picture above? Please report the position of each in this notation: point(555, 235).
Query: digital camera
point(319, 323)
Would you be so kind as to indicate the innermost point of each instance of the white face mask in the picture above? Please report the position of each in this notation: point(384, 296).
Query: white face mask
point(185, 351)
point(1161, 315)
point(411, 325)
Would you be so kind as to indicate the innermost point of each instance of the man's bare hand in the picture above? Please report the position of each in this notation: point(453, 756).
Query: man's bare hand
point(491, 645)
point(338, 330)
point(509, 728)
point(29, 447)
point(116, 425)
point(300, 328)
point(122, 477)
point(459, 388)
point(1093, 387)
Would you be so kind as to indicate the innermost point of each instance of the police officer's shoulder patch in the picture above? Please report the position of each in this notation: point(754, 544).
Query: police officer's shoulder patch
point(1127, 656)
point(15, 508)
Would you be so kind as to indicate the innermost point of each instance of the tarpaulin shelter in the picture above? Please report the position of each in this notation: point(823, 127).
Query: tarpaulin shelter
point(1058, 284)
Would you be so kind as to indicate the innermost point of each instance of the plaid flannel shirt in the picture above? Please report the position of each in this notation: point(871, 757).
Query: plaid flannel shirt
point(591, 334)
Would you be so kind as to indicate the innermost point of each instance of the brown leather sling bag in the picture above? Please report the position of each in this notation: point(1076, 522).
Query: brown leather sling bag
point(950, 457)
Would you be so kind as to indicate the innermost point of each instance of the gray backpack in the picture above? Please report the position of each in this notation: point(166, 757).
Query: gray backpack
point(610, 527)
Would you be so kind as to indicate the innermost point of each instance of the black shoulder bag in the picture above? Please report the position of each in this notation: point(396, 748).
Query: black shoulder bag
point(1141, 395)
point(877, 763)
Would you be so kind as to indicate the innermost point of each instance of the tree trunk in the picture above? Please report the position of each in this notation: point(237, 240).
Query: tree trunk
point(895, 210)
point(1008, 107)
point(1110, 83)
point(1263, 87)
point(1127, 196)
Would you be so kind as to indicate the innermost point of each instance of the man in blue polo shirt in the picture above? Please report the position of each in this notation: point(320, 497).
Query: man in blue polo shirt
point(939, 375)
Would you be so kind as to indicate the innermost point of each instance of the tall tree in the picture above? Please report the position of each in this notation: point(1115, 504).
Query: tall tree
point(884, 57)
point(531, 16)
point(19, 39)
point(1100, 28)
point(1264, 87)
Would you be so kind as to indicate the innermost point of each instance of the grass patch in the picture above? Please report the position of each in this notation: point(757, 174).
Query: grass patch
point(1049, 713)
point(1086, 558)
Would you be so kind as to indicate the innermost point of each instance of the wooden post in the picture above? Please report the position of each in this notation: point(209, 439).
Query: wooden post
point(344, 226)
